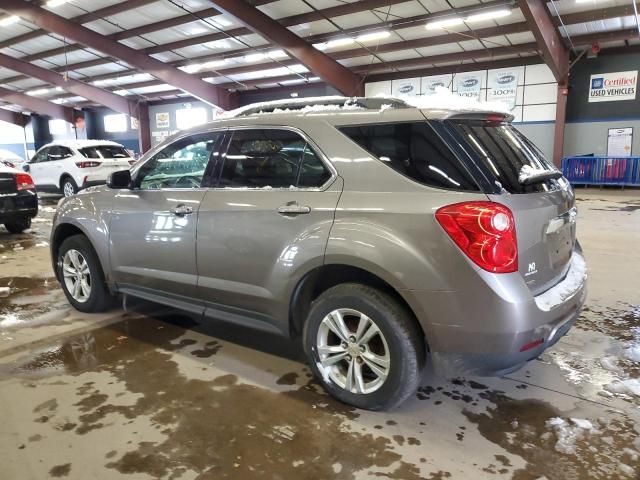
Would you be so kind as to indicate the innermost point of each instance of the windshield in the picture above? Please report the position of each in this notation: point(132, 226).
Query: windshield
point(104, 151)
point(506, 154)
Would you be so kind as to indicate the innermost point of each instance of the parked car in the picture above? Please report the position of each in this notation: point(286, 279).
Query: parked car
point(10, 159)
point(18, 199)
point(68, 166)
point(380, 235)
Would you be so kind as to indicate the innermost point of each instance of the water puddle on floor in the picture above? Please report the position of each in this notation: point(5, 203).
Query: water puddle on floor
point(218, 427)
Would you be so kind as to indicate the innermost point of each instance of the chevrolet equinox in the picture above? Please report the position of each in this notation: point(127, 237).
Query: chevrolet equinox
point(380, 235)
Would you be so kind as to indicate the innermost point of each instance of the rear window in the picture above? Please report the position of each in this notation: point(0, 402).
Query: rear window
point(416, 151)
point(503, 151)
point(104, 151)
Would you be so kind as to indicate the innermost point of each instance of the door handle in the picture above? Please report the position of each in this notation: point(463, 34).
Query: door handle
point(181, 210)
point(294, 209)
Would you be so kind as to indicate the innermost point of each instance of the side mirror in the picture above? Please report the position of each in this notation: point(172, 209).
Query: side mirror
point(25, 167)
point(119, 180)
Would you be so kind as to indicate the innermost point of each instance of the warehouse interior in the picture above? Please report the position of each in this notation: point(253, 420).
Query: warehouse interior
point(143, 390)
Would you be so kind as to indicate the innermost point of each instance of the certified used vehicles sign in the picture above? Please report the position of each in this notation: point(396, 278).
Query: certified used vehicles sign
point(611, 87)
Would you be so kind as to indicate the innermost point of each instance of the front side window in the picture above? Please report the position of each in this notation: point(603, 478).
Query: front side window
point(271, 158)
point(414, 150)
point(41, 156)
point(179, 165)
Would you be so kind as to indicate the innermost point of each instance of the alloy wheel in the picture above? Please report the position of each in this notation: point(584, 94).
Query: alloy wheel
point(77, 276)
point(353, 352)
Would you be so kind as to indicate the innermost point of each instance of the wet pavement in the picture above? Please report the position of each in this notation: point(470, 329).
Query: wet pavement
point(151, 393)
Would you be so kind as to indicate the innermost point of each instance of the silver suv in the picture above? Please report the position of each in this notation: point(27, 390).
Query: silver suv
point(382, 236)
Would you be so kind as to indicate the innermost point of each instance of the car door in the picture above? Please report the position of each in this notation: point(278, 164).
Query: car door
point(37, 167)
point(55, 166)
point(153, 225)
point(265, 222)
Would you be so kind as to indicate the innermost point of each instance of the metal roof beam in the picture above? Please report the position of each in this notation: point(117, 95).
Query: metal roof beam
point(37, 105)
point(552, 46)
point(95, 94)
point(335, 74)
point(16, 118)
point(55, 23)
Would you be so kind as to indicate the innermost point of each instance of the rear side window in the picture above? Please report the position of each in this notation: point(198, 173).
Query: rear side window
point(414, 150)
point(271, 158)
point(503, 151)
point(104, 151)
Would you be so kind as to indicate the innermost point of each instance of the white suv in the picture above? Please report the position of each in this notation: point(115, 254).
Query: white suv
point(69, 166)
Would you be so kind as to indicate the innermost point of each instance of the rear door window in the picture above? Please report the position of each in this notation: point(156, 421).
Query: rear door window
point(503, 152)
point(105, 151)
point(416, 151)
point(271, 158)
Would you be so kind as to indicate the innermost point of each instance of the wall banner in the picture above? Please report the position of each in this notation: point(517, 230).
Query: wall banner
point(612, 87)
point(408, 87)
point(468, 85)
point(503, 87)
point(429, 84)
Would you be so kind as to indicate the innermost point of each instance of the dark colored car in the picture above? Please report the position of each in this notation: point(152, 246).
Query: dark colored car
point(18, 199)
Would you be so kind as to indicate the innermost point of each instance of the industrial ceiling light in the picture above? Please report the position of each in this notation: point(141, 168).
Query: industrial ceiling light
point(444, 23)
point(122, 93)
point(368, 37)
point(55, 3)
point(193, 68)
point(10, 20)
point(277, 54)
point(337, 42)
point(488, 15)
point(40, 91)
point(254, 57)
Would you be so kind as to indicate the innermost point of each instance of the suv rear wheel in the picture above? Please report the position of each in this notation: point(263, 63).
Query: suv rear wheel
point(82, 277)
point(69, 187)
point(364, 346)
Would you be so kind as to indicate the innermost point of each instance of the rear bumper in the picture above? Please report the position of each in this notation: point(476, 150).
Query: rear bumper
point(497, 326)
point(15, 206)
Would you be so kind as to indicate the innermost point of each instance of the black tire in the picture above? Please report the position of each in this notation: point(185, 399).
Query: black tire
point(405, 340)
point(100, 298)
point(68, 184)
point(18, 226)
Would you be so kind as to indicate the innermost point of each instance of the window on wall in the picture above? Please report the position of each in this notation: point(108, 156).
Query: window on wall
point(57, 127)
point(190, 117)
point(115, 123)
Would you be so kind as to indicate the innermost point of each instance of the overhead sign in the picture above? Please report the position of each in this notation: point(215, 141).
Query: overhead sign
point(503, 87)
point(430, 84)
point(613, 87)
point(468, 85)
point(409, 86)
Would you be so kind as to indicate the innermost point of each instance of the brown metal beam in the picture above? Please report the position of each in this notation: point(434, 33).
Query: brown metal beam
point(98, 95)
point(322, 65)
point(55, 23)
point(37, 105)
point(13, 117)
point(544, 29)
point(80, 19)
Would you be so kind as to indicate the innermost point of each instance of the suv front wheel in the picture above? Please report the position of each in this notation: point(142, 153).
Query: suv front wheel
point(364, 346)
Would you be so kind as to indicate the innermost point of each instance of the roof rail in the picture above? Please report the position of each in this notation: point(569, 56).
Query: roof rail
point(346, 103)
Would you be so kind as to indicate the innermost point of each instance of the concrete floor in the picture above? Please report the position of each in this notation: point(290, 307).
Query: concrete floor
point(156, 394)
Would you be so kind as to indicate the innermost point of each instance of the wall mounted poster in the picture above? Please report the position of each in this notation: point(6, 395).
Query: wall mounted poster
point(619, 142)
point(429, 84)
point(468, 85)
point(162, 120)
point(409, 86)
point(503, 87)
point(612, 87)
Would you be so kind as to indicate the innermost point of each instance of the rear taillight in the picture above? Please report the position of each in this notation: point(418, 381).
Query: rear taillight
point(24, 182)
point(87, 164)
point(485, 232)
